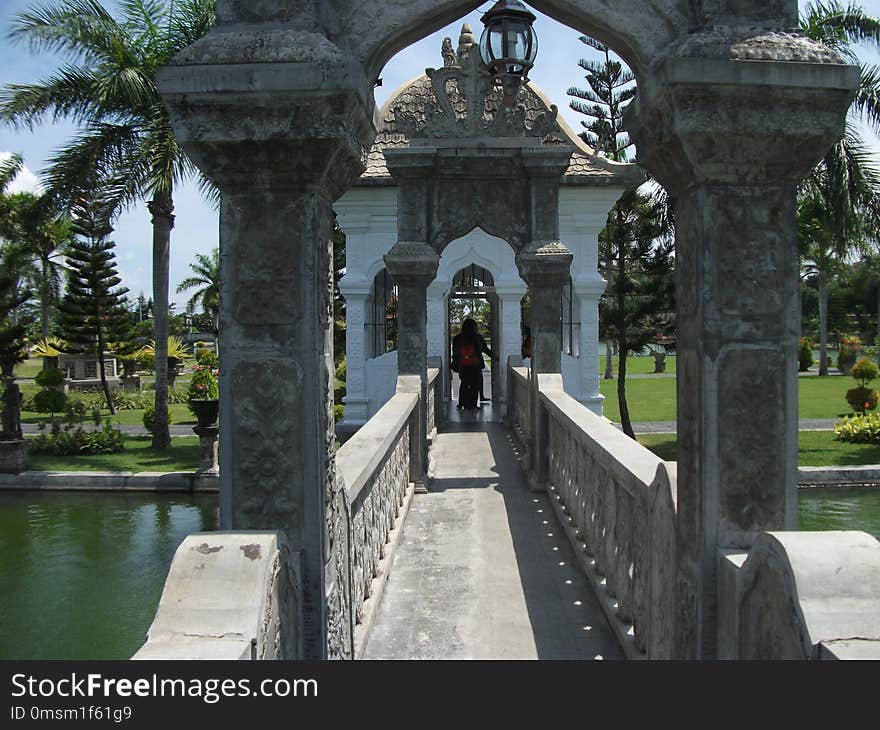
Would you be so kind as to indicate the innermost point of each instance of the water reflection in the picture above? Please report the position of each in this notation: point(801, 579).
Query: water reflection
point(840, 509)
point(81, 574)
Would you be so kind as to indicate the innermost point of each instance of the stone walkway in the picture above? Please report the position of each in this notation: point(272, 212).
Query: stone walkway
point(483, 570)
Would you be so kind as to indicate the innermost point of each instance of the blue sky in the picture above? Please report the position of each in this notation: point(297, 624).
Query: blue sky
point(196, 227)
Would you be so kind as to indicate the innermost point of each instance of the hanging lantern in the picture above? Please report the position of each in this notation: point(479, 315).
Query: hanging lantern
point(508, 45)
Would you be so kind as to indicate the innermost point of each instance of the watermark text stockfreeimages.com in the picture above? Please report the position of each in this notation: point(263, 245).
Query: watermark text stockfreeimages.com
point(209, 690)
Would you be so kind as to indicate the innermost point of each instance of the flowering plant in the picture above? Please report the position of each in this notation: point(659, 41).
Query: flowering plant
point(204, 384)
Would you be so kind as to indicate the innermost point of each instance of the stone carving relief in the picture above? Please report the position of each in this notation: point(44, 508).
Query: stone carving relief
point(464, 94)
point(265, 463)
point(751, 501)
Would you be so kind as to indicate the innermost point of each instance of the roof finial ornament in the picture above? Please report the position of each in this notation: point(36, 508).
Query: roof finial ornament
point(449, 58)
point(465, 40)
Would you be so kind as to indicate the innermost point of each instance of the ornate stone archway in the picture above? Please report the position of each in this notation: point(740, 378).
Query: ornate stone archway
point(734, 107)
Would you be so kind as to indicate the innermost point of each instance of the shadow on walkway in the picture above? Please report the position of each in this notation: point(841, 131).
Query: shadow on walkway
point(483, 570)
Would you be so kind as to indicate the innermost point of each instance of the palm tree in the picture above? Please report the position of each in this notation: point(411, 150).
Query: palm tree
point(127, 145)
point(43, 234)
point(839, 200)
point(206, 275)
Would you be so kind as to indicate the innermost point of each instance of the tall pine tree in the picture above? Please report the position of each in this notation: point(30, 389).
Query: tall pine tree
point(635, 264)
point(611, 87)
point(93, 310)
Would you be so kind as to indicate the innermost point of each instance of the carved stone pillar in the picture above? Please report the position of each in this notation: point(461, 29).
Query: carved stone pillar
point(731, 157)
point(545, 268)
point(232, 96)
point(413, 266)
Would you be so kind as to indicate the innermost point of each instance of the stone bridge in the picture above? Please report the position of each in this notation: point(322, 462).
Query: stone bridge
point(734, 107)
point(570, 555)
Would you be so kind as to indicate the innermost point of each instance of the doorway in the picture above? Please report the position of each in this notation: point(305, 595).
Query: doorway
point(472, 294)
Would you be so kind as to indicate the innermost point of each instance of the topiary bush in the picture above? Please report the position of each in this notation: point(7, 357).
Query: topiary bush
point(863, 398)
point(805, 354)
point(860, 429)
point(49, 400)
point(49, 378)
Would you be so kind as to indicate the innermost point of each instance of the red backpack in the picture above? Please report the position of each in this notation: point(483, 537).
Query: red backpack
point(467, 355)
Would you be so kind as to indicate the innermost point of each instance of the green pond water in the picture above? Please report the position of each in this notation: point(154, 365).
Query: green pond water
point(81, 573)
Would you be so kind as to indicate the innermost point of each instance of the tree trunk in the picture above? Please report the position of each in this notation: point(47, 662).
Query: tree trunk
point(621, 393)
point(163, 222)
point(44, 300)
point(609, 356)
point(104, 385)
point(823, 323)
point(621, 342)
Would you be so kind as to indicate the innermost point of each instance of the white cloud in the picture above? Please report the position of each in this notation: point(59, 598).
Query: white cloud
point(25, 181)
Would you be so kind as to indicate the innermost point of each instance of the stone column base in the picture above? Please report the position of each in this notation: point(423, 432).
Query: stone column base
point(13, 456)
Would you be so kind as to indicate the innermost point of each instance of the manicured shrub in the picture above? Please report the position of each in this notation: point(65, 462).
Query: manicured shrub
point(49, 400)
point(865, 371)
point(805, 354)
point(863, 398)
point(71, 441)
point(860, 429)
point(150, 417)
point(49, 378)
point(338, 411)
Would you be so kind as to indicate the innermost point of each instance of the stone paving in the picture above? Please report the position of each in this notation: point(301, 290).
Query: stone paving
point(483, 570)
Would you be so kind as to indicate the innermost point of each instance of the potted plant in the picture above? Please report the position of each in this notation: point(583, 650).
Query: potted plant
point(862, 398)
point(50, 349)
point(177, 353)
point(850, 350)
point(204, 391)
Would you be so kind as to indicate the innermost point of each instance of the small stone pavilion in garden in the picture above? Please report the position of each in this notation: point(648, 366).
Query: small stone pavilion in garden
point(697, 559)
point(367, 213)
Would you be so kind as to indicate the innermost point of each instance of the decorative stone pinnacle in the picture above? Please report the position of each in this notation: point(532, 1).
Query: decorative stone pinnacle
point(465, 41)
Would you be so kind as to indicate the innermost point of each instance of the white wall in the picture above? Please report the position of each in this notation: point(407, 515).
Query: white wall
point(368, 215)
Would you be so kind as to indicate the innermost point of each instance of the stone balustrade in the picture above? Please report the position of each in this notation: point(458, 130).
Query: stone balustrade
point(801, 595)
point(374, 466)
point(229, 595)
point(518, 409)
point(616, 502)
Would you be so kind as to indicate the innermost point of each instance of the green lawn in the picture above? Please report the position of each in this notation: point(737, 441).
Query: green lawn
point(815, 448)
point(28, 368)
point(636, 365)
point(653, 399)
point(137, 456)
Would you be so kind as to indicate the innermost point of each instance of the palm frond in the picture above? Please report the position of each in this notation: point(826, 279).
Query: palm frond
point(81, 29)
point(9, 169)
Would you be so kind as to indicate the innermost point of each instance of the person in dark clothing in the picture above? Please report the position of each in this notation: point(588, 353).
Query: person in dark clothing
point(468, 347)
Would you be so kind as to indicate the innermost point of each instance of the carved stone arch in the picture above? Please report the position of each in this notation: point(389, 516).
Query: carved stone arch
point(468, 255)
point(375, 30)
point(449, 229)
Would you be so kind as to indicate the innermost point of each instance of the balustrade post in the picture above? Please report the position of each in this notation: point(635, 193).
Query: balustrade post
point(413, 266)
point(545, 268)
